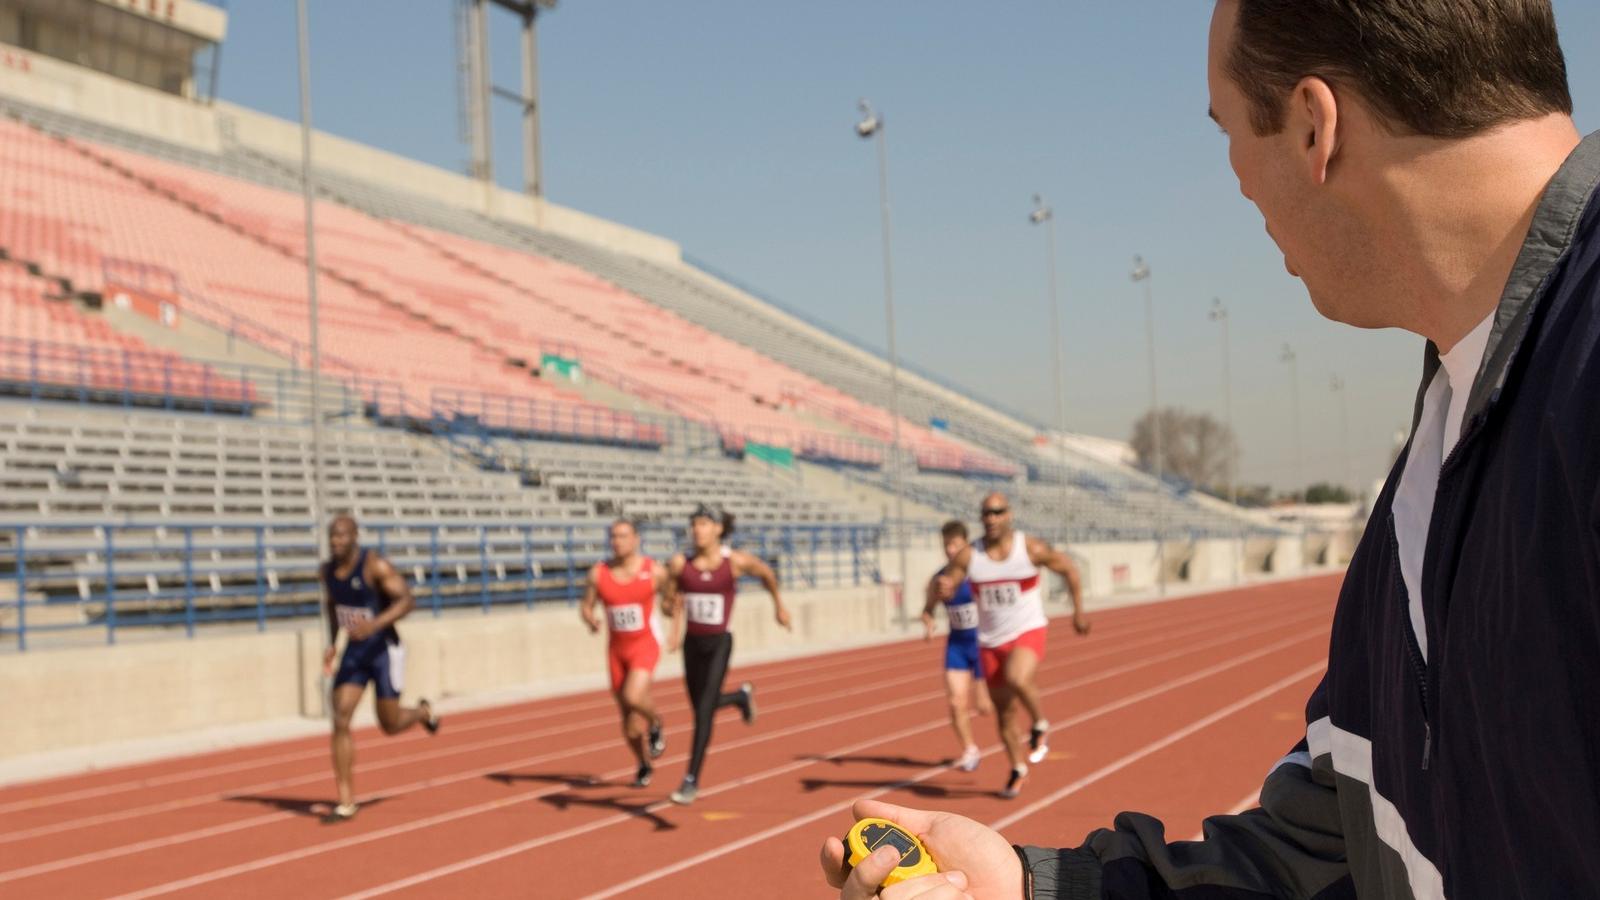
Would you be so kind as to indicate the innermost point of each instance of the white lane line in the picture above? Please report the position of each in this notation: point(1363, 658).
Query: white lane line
point(750, 840)
point(378, 765)
point(792, 677)
point(1154, 746)
point(531, 844)
point(210, 797)
point(305, 852)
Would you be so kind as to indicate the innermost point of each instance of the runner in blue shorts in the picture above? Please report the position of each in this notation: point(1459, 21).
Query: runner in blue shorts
point(365, 596)
point(963, 675)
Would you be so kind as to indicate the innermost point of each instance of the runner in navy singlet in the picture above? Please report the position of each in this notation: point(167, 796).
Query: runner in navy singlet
point(703, 587)
point(365, 596)
point(963, 674)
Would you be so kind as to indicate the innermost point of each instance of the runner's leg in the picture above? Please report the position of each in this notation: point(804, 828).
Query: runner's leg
point(346, 697)
point(638, 711)
point(958, 684)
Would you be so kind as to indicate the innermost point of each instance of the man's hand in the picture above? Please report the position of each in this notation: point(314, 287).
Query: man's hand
point(927, 625)
point(974, 860)
point(591, 620)
point(944, 586)
point(359, 631)
point(782, 614)
point(1080, 622)
point(327, 660)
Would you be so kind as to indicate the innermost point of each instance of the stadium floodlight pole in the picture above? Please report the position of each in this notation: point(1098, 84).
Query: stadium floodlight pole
point(1288, 356)
point(1336, 385)
point(1219, 314)
point(1043, 214)
point(317, 497)
point(870, 127)
point(1141, 273)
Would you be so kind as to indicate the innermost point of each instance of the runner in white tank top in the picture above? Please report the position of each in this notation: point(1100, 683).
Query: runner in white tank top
point(1004, 568)
point(1006, 592)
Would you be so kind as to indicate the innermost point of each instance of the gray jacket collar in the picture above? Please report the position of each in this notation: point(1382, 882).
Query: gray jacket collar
point(1554, 221)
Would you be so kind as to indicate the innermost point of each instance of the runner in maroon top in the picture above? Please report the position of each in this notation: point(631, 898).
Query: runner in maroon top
point(703, 588)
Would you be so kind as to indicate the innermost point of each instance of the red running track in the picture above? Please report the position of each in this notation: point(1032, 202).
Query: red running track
point(1176, 709)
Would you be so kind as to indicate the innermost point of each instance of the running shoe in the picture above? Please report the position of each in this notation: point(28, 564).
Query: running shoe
point(1014, 783)
point(344, 812)
point(642, 780)
point(747, 703)
point(686, 792)
point(969, 759)
point(429, 720)
point(1039, 742)
point(658, 741)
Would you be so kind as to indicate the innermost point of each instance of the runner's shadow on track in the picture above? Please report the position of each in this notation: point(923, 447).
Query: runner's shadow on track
point(902, 761)
point(640, 809)
point(300, 806)
point(920, 789)
point(572, 781)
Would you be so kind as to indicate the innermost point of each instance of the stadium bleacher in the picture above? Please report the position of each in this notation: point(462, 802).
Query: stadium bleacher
point(486, 465)
point(160, 516)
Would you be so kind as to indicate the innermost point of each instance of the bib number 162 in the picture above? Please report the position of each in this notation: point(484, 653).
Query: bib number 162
point(1000, 596)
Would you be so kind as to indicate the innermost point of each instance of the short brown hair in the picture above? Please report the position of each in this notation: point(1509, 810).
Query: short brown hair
point(954, 528)
point(1436, 68)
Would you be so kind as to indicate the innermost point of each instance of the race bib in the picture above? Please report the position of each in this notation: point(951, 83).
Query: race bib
point(1001, 595)
point(705, 609)
point(964, 616)
point(626, 617)
point(350, 615)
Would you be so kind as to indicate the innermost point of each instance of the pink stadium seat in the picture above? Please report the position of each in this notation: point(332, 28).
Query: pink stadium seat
point(419, 308)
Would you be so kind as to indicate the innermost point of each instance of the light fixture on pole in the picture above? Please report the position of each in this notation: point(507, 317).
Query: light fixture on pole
point(318, 510)
point(1288, 356)
point(871, 127)
point(1336, 385)
point(1042, 214)
point(1219, 314)
point(1141, 273)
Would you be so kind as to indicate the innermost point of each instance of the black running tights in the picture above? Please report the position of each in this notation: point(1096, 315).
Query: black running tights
point(705, 663)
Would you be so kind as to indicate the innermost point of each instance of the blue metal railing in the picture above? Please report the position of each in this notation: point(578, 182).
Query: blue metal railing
point(114, 577)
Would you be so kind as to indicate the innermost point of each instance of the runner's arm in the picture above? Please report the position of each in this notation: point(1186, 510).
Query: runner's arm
point(748, 564)
point(930, 602)
point(591, 596)
point(333, 623)
point(327, 608)
point(1059, 562)
point(672, 604)
point(956, 570)
point(387, 578)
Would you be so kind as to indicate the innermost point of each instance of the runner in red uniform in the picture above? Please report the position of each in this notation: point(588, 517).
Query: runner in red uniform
point(627, 586)
point(703, 587)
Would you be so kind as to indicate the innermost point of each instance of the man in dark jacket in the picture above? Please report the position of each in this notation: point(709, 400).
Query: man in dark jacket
point(1416, 162)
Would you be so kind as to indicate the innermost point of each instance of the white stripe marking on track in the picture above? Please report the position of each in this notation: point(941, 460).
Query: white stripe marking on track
point(796, 822)
point(211, 797)
point(524, 846)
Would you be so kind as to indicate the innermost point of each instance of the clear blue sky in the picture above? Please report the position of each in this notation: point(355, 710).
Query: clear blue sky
point(726, 125)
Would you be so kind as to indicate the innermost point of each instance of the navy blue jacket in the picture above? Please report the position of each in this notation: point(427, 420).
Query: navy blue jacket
point(1475, 772)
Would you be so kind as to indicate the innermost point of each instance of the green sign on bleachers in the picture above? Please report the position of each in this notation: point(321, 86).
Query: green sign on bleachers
point(778, 456)
point(565, 367)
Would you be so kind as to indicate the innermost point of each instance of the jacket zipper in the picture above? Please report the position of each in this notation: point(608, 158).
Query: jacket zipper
point(1419, 666)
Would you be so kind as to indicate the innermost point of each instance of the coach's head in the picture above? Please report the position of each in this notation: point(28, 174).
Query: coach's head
point(1393, 146)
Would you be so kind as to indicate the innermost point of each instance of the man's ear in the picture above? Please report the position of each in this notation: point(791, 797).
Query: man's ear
point(1314, 118)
